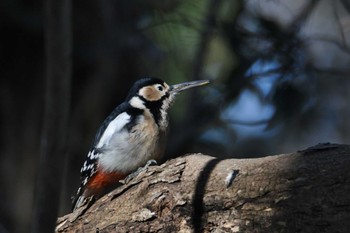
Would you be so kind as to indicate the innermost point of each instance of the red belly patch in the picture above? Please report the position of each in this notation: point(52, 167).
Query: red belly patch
point(102, 180)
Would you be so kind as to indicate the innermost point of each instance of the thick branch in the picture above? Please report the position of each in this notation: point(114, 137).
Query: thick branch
point(306, 191)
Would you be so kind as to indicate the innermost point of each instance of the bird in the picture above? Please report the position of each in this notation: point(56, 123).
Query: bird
point(133, 134)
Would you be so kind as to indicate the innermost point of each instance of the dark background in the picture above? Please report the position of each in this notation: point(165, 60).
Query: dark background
point(279, 72)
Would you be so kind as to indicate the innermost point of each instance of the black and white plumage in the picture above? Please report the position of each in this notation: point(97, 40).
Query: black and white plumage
point(131, 135)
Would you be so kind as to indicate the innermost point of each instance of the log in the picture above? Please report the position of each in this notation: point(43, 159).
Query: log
point(306, 191)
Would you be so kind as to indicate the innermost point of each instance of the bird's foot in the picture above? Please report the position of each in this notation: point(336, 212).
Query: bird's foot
point(138, 171)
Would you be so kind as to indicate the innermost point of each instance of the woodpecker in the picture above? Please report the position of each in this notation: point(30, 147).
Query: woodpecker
point(131, 135)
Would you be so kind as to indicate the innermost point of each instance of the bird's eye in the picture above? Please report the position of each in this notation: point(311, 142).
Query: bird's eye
point(160, 88)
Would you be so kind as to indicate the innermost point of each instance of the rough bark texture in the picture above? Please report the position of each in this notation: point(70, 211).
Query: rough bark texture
point(307, 191)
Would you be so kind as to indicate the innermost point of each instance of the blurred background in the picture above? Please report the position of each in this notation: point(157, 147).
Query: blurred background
point(279, 71)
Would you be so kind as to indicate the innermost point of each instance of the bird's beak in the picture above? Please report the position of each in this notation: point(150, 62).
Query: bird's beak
point(187, 85)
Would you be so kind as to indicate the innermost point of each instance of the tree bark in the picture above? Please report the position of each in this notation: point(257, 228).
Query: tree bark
point(306, 191)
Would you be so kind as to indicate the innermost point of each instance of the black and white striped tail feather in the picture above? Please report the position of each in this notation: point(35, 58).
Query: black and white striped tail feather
point(87, 171)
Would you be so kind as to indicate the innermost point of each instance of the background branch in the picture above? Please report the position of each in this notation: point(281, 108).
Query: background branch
point(57, 92)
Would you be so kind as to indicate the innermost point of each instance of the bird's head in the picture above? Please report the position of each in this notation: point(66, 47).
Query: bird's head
point(156, 95)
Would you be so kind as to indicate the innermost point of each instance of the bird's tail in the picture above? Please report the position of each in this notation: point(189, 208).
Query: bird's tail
point(78, 199)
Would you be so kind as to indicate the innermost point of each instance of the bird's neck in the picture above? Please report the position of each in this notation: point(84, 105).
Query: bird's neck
point(158, 109)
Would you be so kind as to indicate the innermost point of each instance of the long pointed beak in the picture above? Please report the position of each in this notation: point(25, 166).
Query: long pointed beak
point(187, 85)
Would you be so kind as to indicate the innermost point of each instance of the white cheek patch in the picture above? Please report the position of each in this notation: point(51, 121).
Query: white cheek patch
point(136, 102)
point(114, 126)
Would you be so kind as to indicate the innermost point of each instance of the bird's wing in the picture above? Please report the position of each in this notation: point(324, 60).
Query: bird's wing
point(115, 126)
point(119, 110)
point(123, 116)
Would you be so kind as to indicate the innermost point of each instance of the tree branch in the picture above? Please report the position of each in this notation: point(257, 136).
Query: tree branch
point(307, 191)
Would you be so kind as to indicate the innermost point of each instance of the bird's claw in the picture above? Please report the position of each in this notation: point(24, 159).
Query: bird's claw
point(150, 163)
point(138, 171)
